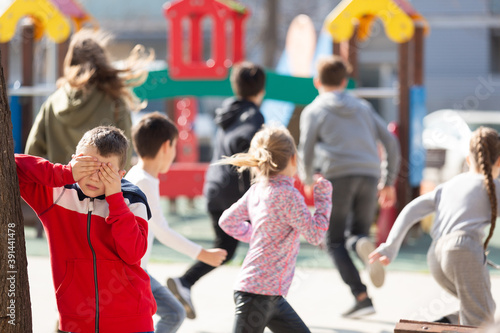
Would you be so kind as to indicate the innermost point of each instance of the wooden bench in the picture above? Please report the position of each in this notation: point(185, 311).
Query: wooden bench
point(411, 326)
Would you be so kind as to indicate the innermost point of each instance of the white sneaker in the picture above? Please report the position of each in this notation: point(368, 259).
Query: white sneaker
point(183, 294)
point(376, 270)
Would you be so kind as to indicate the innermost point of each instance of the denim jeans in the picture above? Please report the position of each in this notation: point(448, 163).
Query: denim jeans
point(169, 309)
point(354, 204)
point(256, 312)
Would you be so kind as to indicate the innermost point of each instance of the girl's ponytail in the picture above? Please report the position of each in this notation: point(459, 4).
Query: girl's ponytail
point(270, 151)
point(484, 146)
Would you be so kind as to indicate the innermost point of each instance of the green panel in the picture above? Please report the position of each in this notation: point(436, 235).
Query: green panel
point(351, 83)
point(159, 85)
point(297, 90)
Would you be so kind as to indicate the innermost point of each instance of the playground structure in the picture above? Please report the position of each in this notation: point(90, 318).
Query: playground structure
point(197, 69)
point(226, 45)
point(190, 71)
point(349, 23)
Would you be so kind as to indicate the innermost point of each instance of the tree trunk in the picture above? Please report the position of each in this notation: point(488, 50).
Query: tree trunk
point(15, 304)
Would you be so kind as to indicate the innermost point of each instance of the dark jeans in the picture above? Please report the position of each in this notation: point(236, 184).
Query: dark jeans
point(256, 312)
point(223, 241)
point(354, 204)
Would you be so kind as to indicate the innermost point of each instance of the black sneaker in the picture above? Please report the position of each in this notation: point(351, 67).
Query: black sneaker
point(443, 320)
point(451, 318)
point(361, 308)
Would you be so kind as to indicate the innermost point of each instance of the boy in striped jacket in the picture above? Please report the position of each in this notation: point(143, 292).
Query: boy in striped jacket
point(96, 226)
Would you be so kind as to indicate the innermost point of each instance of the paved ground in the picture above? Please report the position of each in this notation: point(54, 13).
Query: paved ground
point(317, 293)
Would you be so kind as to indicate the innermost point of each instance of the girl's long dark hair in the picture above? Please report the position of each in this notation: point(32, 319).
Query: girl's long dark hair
point(88, 64)
point(485, 149)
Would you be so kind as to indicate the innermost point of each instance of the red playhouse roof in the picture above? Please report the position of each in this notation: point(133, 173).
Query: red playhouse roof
point(200, 7)
point(193, 65)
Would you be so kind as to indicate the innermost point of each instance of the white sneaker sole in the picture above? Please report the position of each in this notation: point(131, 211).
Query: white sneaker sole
point(376, 271)
point(172, 285)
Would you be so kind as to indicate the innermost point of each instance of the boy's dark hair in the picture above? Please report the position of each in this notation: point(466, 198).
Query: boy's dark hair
point(108, 140)
point(332, 70)
point(247, 79)
point(151, 132)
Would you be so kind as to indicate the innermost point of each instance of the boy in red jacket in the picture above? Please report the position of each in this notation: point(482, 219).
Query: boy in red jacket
point(96, 225)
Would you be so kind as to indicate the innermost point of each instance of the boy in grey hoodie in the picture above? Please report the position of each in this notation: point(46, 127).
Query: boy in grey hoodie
point(342, 133)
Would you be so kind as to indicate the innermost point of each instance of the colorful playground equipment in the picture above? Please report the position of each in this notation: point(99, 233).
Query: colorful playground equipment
point(197, 68)
point(190, 75)
point(349, 23)
point(50, 16)
point(186, 18)
point(226, 47)
point(44, 13)
point(398, 17)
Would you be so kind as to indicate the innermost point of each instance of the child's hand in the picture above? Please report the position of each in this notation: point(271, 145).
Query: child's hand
point(309, 189)
point(374, 256)
point(323, 246)
point(322, 187)
point(387, 196)
point(111, 178)
point(83, 166)
point(212, 257)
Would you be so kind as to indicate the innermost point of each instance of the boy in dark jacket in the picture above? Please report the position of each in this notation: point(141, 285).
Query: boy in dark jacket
point(238, 119)
point(96, 225)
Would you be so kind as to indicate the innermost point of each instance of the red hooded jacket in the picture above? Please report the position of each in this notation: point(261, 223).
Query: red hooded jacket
point(95, 245)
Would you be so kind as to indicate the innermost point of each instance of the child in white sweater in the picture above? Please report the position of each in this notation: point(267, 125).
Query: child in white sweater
point(464, 206)
point(154, 139)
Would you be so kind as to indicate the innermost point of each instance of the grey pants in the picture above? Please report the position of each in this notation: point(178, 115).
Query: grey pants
point(458, 263)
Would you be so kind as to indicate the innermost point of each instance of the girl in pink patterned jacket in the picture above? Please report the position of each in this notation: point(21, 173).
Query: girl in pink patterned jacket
point(270, 217)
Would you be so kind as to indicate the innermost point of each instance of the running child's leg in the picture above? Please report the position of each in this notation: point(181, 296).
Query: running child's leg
point(169, 309)
point(252, 312)
point(285, 319)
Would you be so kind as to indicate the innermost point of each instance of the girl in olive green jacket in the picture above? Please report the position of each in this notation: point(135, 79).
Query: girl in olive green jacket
point(91, 93)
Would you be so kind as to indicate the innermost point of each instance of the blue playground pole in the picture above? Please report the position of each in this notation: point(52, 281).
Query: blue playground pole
point(417, 156)
point(15, 116)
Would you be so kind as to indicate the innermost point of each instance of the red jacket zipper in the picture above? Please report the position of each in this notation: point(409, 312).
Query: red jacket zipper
point(94, 262)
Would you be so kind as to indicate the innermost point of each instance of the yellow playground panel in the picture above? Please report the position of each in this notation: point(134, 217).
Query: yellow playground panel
point(398, 17)
point(50, 16)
